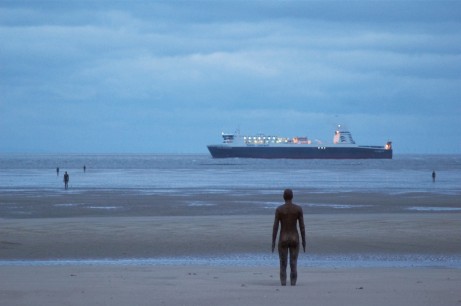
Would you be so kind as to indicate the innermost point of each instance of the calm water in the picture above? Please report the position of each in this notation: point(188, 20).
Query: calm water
point(403, 174)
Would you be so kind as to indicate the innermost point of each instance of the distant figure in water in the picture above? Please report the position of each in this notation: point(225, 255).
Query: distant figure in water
point(288, 215)
point(433, 175)
point(57, 171)
point(84, 168)
point(66, 180)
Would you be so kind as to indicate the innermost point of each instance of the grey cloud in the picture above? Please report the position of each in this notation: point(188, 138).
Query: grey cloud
point(274, 65)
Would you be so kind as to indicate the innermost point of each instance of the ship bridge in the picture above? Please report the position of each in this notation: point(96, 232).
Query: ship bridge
point(342, 137)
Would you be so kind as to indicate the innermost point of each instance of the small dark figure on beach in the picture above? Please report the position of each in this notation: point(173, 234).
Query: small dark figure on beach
point(84, 168)
point(66, 180)
point(57, 171)
point(433, 175)
point(288, 215)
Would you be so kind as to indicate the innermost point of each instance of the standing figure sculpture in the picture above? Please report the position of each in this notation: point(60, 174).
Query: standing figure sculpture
point(288, 216)
point(66, 180)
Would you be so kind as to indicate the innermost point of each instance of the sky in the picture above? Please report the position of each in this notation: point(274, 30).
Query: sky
point(111, 76)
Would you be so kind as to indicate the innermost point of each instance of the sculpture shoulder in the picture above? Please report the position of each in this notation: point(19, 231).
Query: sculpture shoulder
point(298, 207)
point(279, 209)
point(289, 208)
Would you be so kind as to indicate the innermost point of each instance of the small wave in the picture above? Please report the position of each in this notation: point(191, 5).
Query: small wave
point(66, 205)
point(420, 208)
point(199, 204)
point(337, 206)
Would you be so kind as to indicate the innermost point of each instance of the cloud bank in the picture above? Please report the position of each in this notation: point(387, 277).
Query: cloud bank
point(168, 77)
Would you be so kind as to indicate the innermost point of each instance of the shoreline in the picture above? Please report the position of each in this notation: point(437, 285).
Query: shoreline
point(357, 261)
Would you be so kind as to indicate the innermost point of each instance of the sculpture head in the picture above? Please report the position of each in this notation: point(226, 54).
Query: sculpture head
point(287, 194)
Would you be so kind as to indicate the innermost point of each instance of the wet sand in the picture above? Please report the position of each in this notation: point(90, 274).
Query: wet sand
point(199, 202)
point(65, 227)
point(198, 236)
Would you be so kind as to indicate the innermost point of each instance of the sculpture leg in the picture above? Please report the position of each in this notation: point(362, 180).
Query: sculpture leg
point(283, 255)
point(294, 251)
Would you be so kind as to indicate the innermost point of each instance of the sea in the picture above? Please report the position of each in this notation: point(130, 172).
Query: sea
point(402, 174)
point(170, 173)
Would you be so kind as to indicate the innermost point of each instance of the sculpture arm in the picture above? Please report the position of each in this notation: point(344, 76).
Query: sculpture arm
point(275, 229)
point(302, 229)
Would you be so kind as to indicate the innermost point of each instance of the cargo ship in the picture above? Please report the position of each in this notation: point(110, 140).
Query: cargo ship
point(272, 147)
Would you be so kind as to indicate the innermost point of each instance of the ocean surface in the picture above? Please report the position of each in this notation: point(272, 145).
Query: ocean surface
point(144, 172)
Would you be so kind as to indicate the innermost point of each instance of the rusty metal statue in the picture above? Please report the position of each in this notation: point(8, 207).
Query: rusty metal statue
point(288, 215)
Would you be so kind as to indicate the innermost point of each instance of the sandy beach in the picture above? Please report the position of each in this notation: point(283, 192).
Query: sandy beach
point(367, 256)
point(197, 236)
point(195, 285)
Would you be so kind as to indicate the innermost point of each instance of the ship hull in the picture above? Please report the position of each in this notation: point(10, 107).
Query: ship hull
point(301, 152)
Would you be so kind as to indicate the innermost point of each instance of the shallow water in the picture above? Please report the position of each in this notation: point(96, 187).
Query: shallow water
point(165, 173)
point(258, 260)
